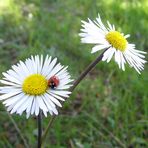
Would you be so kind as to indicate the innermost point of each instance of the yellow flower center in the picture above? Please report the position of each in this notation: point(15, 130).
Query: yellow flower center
point(117, 40)
point(35, 84)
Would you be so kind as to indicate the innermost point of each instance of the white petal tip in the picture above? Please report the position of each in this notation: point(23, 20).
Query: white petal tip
point(92, 52)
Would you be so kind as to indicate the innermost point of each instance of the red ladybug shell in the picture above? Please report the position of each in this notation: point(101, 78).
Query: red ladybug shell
point(53, 82)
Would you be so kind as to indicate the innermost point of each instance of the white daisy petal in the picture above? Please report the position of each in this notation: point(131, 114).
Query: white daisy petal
point(122, 61)
point(57, 68)
point(28, 114)
point(110, 26)
point(33, 106)
point(113, 50)
point(52, 64)
point(12, 73)
point(127, 36)
point(40, 64)
point(65, 82)
point(36, 107)
point(25, 68)
point(55, 101)
point(51, 106)
point(118, 58)
point(25, 104)
point(9, 83)
point(49, 101)
point(131, 62)
point(36, 60)
point(51, 113)
point(45, 113)
point(19, 71)
point(60, 93)
point(99, 47)
point(20, 103)
point(62, 71)
point(30, 104)
point(13, 100)
point(58, 97)
point(63, 75)
point(41, 103)
point(64, 87)
point(48, 104)
point(34, 64)
point(11, 78)
point(29, 65)
point(46, 65)
point(8, 89)
point(107, 54)
point(55, 111)
point(11, 94)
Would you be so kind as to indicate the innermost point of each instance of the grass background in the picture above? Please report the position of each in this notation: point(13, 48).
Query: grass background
point(110, 107)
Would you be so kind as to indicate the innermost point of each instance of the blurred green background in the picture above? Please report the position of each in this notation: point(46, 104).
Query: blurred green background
point(110, 107)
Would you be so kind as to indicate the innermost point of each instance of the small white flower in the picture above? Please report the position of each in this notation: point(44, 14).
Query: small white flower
point(94, 32)
point(35, 85)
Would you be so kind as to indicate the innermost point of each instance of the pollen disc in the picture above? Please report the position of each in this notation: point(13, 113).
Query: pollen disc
point(35, 84)
point(117, 40)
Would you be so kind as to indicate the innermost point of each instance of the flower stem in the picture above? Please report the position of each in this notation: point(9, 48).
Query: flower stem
point(87, 70)
point(48, 127)
point(39, 129)
point(78, 80)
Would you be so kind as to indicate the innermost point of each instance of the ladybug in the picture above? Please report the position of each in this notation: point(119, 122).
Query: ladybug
point(53, 82)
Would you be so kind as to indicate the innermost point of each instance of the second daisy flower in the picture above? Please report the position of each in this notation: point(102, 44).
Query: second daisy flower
point(95, 32)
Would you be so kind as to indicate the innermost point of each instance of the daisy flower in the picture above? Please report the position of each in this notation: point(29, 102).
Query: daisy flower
point(35, 85)
point(106, 37)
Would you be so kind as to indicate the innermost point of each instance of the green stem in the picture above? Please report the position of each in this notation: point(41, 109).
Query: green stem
point(39, 129)
point(48, 127)
point(86, 71)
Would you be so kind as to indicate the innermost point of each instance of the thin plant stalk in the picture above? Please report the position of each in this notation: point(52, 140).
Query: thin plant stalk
point(86, 71)
point(39, 129)
point(48, 127)
point(17, 129)
point(75, 84)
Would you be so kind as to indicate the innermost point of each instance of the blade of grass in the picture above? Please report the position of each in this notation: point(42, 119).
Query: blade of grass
point(17, 129)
